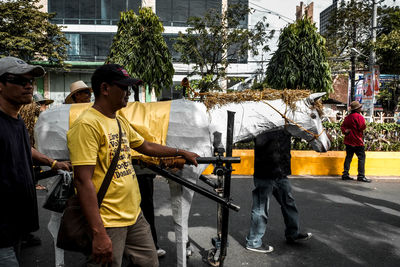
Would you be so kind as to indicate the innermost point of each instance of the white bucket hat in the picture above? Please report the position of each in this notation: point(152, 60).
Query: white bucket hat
point(74, 88)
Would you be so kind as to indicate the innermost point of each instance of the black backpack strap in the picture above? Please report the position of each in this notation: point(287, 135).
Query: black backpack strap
point(110, 172)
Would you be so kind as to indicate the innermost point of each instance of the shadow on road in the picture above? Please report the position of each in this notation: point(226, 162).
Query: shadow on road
point(353, 224)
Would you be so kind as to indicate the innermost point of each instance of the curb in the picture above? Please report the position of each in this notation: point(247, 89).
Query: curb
point(336, 177)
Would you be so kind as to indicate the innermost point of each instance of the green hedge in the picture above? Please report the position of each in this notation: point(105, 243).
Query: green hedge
point(377, 137)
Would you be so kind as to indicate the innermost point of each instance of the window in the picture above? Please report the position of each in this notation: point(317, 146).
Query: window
point(74, 46)
point(173, 92)
point(87, 12)
point(244, 22)
point(234, 57)
point(103, 12)
point(89, 46)
point(169, 39)
point(57, 6)
point(176, 12)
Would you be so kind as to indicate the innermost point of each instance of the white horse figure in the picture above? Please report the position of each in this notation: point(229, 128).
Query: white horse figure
point(191, 127)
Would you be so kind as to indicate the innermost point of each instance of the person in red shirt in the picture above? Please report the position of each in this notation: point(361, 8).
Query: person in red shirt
point(353, 127)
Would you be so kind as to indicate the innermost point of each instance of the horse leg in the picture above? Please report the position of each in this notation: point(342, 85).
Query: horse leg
point(181, 200)
point(53, 226)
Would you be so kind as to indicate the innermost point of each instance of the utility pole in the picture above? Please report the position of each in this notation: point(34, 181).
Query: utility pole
point(353, 67)
point(372, 59)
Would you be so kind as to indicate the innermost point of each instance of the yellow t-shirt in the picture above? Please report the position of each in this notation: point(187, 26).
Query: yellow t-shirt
point(93, 140)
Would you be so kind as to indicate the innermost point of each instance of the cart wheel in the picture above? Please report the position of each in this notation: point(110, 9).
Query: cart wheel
point(212, 258)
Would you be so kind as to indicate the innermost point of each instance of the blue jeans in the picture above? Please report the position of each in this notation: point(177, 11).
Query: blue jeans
point(281, 190)
point(8, 258)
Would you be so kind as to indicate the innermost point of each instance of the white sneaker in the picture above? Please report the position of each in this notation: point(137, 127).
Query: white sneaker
point(262, 249)
point(161, 252)
point(189, 251)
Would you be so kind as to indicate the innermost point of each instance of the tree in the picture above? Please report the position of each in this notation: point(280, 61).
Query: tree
point(300, 60)
point(26, 33)
point(388, 52)
point(140, 47)
point(388, 20)
point(216, 40)
point(387, 49)
point(389, 96)
point(387, 45)
point(349, 27)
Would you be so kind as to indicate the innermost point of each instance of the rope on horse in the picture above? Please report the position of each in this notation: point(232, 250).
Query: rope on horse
point(315, 136)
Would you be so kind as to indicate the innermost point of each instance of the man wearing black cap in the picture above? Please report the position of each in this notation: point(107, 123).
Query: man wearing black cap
point(17, 188)
point(118, 226)
point(353, 127)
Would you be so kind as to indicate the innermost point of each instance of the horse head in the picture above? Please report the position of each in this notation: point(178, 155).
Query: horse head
point(305, 122)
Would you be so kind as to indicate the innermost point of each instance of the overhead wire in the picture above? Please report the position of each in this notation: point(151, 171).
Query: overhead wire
point(280, 16)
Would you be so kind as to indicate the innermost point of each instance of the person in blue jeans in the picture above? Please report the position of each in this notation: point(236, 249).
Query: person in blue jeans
point(271, 168)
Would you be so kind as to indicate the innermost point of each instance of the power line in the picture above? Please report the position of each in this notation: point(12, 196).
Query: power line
point(273, 14)
point(283, 17)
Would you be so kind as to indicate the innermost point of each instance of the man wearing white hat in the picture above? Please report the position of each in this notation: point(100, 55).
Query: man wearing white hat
point(353, 127)
point(79, 93)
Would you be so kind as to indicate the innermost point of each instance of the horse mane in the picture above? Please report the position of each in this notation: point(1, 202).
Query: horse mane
point(289, 96)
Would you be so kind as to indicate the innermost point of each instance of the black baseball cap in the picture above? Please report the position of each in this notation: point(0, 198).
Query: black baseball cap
point(114, 73)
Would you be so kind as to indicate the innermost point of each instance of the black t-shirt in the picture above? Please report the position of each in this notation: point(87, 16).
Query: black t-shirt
point(18, 203)
point(272, 155)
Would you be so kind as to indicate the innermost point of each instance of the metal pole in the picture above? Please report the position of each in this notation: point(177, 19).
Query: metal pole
point(352, 77)
point(353, 64)
point(372, 56)
point(227, 188)
point(194, 187)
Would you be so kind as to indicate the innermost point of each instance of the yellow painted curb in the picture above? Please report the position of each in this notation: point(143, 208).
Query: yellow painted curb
point(329, 163)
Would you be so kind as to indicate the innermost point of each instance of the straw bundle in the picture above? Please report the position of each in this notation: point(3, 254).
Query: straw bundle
point(214, 99)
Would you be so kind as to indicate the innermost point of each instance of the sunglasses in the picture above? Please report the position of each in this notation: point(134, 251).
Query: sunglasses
point(88, 92)
point(127, 88)
point(19, 80)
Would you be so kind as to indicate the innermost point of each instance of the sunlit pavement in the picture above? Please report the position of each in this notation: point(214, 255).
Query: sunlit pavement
point(353, 224)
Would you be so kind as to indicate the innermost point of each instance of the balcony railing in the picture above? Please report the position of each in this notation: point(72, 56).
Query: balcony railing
point(85, 21)
point(87, 58)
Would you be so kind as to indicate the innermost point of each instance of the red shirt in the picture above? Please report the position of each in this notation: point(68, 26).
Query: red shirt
point(355, 122)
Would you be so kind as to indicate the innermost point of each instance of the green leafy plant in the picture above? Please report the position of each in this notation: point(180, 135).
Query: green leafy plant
point(377, 137)
point(140, 47)
point(387, 48)
point(27, 33)
point(300, 61)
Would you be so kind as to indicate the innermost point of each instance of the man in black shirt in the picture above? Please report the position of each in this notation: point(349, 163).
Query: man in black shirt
point(271, 168)
point(17, 187)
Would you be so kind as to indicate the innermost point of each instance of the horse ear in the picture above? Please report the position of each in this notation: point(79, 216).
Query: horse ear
point(314, 97)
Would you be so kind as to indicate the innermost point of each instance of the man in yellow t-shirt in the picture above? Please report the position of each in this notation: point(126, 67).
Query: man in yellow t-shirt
point(118, 226)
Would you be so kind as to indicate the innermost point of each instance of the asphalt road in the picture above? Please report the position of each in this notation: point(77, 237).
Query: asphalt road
point(353, 224)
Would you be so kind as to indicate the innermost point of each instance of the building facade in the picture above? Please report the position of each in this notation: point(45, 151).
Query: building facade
point(303, 10)
point(325, 16)
point(90, 25)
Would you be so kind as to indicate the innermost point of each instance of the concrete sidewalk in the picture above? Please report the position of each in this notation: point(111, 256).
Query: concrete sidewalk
point(353, 224)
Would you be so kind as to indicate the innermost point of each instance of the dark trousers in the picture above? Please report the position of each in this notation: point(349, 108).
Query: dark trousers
point(360, 152)
point(146, 185)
